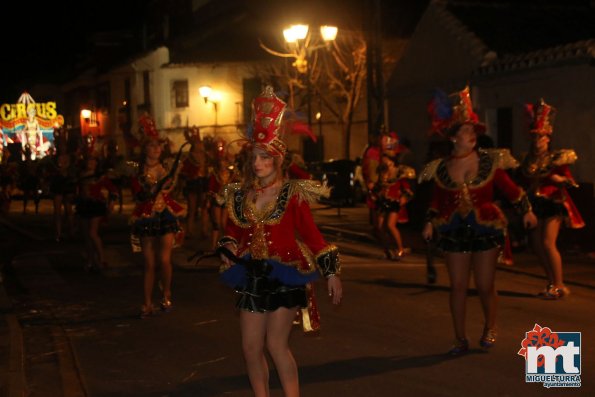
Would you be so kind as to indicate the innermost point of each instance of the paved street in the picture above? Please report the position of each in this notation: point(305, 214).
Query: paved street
point(80, 335)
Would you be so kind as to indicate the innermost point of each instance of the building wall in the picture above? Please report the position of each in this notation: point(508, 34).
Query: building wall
point(226, 79)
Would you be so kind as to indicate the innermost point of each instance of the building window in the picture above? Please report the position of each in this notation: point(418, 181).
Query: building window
point(180, 93)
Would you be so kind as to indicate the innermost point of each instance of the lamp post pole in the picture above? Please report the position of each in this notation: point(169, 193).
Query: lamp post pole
point(298, 39)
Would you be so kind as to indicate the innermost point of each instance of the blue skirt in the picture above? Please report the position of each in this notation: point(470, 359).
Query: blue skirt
point(284, 286)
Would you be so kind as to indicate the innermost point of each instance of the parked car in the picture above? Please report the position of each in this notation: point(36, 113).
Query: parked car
point(344, 177)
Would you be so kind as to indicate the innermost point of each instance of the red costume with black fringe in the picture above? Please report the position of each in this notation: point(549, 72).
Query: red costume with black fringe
point(390, 192)
point(279, 248)
point(153, 215)
point(549, 198)
point(472, 204)
point(271, 234)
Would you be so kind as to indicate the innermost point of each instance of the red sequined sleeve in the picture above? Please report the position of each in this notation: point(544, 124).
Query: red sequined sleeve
point(326, 255)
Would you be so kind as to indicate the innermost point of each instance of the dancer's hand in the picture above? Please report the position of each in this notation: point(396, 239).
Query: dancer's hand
point(233, 249)
point(529, 220)
point(428, 231)
point(335, 289)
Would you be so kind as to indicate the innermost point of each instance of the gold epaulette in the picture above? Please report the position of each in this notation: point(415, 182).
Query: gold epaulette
point(227, 192)
point(308, 190)
point(429, 171)
point(564, 157)
point(406, 172)
point(130, 168)
point(502, 158)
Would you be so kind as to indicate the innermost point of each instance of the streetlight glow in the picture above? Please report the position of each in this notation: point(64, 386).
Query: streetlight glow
point(205, 92)
point(295, 32)
point(301, 31)
point(328, 33)
point(289, 35)
point(86, 114)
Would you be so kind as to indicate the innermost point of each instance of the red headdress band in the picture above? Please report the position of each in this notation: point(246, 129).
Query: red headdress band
point(463, 111)
point(447, 111)
point(542, 117)
point(390, 144)
point(267, 114)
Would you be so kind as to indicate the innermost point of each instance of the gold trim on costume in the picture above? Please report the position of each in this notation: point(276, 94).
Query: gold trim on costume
point(429, 171)
point(405, 171)
point(308, 190)
point(564, 157)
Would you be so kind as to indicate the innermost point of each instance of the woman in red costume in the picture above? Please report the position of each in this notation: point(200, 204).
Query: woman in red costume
point(471, 228)
point(155, 221)
point(393, 192)
point(274, 271)
point(546, 175)
point(92, 207)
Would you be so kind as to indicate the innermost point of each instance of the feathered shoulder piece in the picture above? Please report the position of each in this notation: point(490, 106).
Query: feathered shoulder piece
point(308, 190)
point(564, 157)
point(501, 158)
point(440, 111)
point(429, 171)
point(406, 172)
point(228, 191)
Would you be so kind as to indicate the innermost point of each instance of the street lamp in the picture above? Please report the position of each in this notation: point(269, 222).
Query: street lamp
point(209, 95)
point(303, 45)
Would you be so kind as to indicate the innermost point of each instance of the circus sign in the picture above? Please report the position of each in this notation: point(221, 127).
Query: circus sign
point(29, 123)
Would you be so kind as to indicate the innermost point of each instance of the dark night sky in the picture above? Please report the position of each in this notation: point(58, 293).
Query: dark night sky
point(42, 41)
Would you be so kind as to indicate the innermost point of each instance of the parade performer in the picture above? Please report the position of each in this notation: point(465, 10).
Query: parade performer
point(471, 228)
point(92, 207)
point(546, 175)
point(272, 269)
point(194, 171)
point(63, 183)
point(393, 192)
point(222, 174)
point(155, 220)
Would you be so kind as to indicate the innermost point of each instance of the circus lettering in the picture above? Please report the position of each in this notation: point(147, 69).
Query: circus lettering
point(31, 124)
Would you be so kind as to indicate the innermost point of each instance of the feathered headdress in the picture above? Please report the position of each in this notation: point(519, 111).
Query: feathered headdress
point(541, 116)
point(447, 111)
point(147, 127)
point(267, 114)
point(389, 143)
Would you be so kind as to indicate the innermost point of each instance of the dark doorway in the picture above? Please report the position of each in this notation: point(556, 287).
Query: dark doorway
point(504, 118)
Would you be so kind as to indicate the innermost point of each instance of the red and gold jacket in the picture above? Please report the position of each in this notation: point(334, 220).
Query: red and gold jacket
point(147, 206)
point(272, 233)
point(476, 195)
point(536, 175)
point(193, 168)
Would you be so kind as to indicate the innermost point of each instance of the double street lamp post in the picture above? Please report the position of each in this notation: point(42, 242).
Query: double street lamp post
point(300, 40)
point(302, 44)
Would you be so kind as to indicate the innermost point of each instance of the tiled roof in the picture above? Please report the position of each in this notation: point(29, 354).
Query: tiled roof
point(579, 51)
point(520, 34)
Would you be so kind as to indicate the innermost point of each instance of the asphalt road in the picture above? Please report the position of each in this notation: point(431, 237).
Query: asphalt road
point(82, 337)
